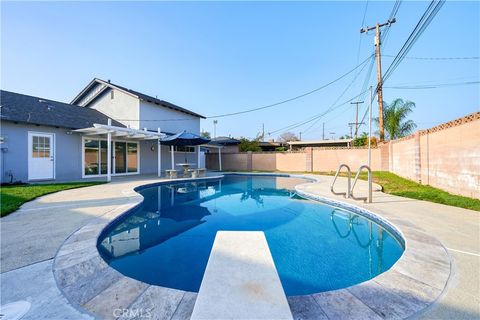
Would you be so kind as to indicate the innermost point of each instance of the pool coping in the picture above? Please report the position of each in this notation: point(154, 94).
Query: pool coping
point(409, 287)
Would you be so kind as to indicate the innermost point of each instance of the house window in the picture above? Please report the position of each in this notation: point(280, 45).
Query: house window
point(132, 157)
point(40, 147)
point(92, 157)
point(187, 149)
point(95, 157)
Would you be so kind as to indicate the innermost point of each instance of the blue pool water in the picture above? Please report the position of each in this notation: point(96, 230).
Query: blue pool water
point(315, 247)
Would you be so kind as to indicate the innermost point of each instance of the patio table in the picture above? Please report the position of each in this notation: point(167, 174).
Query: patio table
point(185, 167)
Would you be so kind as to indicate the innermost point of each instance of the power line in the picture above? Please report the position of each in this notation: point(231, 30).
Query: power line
point(428, 15)
point(368, 74)
point(363, 23)
point(297, 124)
point(436, 58)
point(435, 86)
point(340, 96)
point(291, 99)
point(422, 24)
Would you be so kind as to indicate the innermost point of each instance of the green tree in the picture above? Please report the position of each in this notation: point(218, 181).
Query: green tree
point(205, 134)
point(362, 140)
point(247, 145)
point(395, 120)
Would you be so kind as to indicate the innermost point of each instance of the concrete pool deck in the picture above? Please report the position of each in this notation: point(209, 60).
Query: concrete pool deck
point(30, 243)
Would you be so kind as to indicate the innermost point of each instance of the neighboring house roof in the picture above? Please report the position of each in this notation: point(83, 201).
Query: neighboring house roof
point(225, 141)
point(18, 107)
point(137, 94)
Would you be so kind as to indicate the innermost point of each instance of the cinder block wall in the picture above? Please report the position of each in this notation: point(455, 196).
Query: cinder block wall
point(446, 156)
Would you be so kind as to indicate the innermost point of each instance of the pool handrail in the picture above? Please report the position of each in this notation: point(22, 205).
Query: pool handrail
point(369, 197)
point(345, 194)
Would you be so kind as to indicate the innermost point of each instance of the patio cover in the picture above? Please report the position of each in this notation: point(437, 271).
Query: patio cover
point(125, 133)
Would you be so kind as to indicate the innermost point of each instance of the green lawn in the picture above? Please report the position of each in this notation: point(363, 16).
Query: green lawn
point(12, 197)
point(399, 186)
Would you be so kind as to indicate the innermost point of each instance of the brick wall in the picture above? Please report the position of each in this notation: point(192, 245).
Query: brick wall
point(446, 156)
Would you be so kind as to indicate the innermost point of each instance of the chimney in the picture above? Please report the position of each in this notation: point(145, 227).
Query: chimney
point(108, 80)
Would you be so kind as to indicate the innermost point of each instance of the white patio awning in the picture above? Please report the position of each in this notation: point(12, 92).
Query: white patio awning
point(124, 133)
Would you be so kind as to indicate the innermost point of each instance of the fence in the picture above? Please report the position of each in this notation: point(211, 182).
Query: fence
point(446, 156)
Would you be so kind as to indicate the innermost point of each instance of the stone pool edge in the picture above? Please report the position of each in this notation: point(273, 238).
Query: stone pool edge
point(413, 284)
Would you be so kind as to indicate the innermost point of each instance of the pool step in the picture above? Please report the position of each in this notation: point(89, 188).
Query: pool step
point(241, 281)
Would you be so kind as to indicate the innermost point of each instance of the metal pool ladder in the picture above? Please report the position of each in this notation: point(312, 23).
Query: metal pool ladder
point(349, 192)
point(369, 198)
point(345, 194)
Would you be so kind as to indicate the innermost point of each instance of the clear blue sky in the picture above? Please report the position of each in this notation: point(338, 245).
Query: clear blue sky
point(218, 57)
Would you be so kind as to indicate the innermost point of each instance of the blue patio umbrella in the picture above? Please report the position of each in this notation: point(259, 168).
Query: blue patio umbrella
point(183, 139)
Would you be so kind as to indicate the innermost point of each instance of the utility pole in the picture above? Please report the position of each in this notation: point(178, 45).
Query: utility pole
point(323, 131)
point(379, 70)
point(263, 131)
point(356, 116)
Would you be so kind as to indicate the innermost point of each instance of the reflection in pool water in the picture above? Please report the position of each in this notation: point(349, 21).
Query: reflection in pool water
point(316, 247)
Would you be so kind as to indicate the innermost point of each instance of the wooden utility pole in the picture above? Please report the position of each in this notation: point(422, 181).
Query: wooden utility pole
point(379, 70)
point(356, 117)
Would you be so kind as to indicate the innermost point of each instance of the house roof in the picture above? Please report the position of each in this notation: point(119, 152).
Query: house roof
point(134, 93)
point(22, 108)
point(225, 141)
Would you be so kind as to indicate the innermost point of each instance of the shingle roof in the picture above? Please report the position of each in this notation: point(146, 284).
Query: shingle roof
point(225, 141)
point(139, 95)
point(28, 109)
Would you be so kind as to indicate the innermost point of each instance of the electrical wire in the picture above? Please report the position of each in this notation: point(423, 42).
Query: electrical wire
point(434, 86)
point(423, 23)
point(340, 96)
point(294, 98)
point(297, 124)
point(434, 58)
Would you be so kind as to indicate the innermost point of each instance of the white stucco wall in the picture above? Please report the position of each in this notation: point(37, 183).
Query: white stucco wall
point(150, 111)
point(122, 106)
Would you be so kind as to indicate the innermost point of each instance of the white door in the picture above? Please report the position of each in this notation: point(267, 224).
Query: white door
point(41, 156)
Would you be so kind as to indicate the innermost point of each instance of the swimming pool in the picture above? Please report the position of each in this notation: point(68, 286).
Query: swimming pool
point(167, 240)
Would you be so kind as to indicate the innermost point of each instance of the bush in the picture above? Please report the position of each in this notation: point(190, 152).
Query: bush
point(281, 149)
point(363, 141)
point(247, 145)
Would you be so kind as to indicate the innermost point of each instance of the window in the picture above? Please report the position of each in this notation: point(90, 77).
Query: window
point(132, 159)
point(95, 157)
point(92, 156)
point(103, 157)
point(185, 149)
point(120, 157)
point(40, 147)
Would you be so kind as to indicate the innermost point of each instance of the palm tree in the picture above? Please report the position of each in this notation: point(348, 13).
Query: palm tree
point(395, 120)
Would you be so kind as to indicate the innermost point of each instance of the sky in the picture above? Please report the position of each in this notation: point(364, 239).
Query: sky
point(222, 57)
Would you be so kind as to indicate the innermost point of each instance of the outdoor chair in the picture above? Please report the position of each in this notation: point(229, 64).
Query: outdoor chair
point(171, 174)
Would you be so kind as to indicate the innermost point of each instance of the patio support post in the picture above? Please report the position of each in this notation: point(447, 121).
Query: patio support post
point(198, 157)
point(220, 159)
point(109, 152)
point(159, 153)
point(173, 160)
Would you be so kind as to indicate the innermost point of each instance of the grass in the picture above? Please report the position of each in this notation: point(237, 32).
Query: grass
point(393, 184)
point(12, 197)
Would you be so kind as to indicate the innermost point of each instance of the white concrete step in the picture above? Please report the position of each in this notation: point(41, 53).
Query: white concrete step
point(241, 281)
